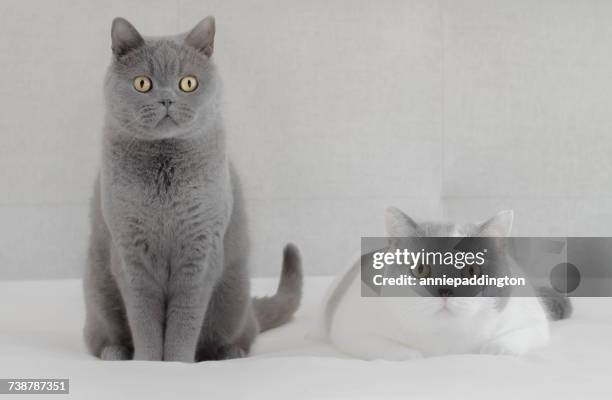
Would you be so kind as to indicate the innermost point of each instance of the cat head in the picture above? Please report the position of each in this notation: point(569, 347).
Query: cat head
point(400, 225)
point(445, 300)
point(158, 88)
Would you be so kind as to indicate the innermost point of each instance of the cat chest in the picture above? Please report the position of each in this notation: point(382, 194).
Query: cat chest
point(167, 235)
point(439, 335)
point(415, 323)
point(161, 217)
point(162, 179)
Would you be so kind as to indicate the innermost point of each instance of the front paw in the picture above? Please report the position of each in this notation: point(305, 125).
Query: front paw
point(218, 353)
point(116, 352)
point(502, 348)
point(179, 357)
point(231, 351)
point(148, 354)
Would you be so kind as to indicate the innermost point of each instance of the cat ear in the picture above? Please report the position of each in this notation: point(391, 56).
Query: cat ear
point(202, 37)
point(498, 226)
point(399, 224)
point(124, 36)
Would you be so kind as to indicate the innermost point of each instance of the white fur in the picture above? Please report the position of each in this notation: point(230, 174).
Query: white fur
point(393, 328)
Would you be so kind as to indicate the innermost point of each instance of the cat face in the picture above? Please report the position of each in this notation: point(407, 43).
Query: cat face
point(161, 88)
point(444, 301)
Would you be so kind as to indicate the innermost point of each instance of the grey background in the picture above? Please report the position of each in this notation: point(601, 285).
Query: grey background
point(335, 110)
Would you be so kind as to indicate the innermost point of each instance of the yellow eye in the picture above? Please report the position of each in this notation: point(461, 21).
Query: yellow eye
point(421, 271)
point(188, 83)
point(470, 271)
point(143, 84)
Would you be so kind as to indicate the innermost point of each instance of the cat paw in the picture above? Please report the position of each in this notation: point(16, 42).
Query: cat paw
point(233, 351)
point(115, 352)
point(500, 348)
point(219, 353)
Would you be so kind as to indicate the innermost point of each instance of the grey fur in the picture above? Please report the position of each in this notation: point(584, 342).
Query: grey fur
point(166, 277)
point(556, 304)
point(274, 311)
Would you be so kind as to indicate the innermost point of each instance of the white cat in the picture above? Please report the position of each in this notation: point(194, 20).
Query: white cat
point(401, 328)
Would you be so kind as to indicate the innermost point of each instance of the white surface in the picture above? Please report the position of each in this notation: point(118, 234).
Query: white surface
point(335, 110)
point(40, 336)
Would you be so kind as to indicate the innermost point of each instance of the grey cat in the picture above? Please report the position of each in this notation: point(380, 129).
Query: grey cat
point(166, 277)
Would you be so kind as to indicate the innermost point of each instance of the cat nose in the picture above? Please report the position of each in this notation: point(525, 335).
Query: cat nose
point(166, 102)
point(445, 292)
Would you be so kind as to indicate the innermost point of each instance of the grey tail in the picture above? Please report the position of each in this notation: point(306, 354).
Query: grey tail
point(273, 311)
point(556, 304)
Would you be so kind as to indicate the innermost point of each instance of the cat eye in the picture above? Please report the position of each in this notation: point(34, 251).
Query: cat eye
point(471, 270)
point(421, 271)
point(142, 84)
point(188, 83)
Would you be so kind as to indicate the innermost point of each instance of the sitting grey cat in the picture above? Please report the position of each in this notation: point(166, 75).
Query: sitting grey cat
point(166, 277)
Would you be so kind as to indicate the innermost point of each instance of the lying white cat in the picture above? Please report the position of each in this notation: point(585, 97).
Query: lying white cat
point(400, 328)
